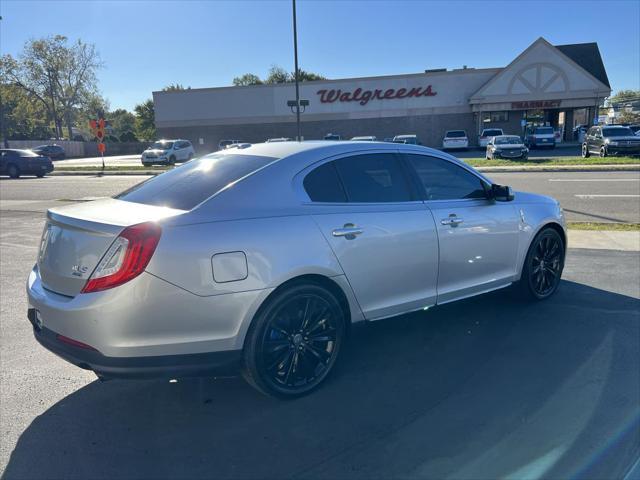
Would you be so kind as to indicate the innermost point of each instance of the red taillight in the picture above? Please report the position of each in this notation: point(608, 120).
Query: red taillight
point(75, 343)
point(127, 257)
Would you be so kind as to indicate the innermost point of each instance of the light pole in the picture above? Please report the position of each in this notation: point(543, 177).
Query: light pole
point(295, 55)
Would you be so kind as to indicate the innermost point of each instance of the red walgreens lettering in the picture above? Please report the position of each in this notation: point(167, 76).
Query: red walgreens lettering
point(365, 96)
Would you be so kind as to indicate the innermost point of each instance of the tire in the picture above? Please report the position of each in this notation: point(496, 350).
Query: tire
point(189, 157)
point(525, 158)
point(39, 175)
point(13, 171)
point(585, 151)
point(294, 341)
point(543, 265)
point(172, 160)
point(603, 152)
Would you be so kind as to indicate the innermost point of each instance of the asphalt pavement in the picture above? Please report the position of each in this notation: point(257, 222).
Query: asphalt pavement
point(485, 388)
point(585, 196)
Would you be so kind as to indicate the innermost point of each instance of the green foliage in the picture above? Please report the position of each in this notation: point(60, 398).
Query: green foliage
point(624, 96)
point(145, 128)
point(23, 118)
point(175, 88)
point(122, 121)
point(276, 75)
point(59, 75)
point(247, 79)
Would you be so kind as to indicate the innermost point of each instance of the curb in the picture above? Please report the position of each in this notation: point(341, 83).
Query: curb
point(631, 167)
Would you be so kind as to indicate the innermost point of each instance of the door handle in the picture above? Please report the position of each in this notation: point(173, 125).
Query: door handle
point(453, 221)
point(349, 231)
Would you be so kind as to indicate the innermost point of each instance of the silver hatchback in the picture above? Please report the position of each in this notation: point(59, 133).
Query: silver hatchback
point(261, 258)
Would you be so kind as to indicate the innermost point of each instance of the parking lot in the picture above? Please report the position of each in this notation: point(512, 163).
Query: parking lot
point(486, 388)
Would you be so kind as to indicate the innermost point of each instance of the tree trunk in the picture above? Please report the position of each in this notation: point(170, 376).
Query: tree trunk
point(69, 125)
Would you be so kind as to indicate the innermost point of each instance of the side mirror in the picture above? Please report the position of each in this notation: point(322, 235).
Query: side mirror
point(502, 193)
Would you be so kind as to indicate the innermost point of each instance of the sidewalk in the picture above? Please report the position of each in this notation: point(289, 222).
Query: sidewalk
point(605, 240)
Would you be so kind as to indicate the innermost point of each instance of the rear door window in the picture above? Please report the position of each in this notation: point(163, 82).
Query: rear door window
point(323, 184)
point(193, 182)
point(373, 178)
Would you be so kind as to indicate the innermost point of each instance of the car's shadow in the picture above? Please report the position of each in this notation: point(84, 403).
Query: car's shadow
point(484, 388)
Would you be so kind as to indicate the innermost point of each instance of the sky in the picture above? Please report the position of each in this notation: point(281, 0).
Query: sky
point(206, 43)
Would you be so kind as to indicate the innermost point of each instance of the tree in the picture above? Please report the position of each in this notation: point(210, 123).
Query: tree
point(247, 79)
point(123, 124)
point(304, 76)
point(625, 115)
point(145, 127)
point(175, 88)
point(278, 75)
point(624, 96)
point(58, 75)
point(22, 117)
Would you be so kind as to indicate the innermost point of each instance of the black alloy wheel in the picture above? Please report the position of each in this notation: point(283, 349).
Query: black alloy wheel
point(543, 265)
point(294, 341)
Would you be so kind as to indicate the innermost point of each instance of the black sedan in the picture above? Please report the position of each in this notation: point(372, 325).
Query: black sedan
point(24, 162)
point(54, 152)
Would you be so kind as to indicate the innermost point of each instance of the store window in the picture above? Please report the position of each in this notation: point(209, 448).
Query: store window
point(494, 117)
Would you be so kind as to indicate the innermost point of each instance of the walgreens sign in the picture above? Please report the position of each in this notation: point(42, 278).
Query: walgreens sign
point(365, 96)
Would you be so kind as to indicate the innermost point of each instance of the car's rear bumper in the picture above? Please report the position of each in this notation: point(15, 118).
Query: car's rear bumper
point(163, 366)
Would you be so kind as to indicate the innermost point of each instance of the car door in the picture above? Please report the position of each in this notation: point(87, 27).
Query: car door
point(478, 237)
point(380, 232)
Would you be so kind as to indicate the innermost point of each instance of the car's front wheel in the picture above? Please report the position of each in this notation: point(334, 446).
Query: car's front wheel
point(13, 171)
point(294, 341)
point(585, 151)
point(543, 265)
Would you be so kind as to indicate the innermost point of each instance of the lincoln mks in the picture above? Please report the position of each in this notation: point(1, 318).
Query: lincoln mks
point(260, 258)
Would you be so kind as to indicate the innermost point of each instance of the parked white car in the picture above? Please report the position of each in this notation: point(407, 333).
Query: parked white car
point(168, 152)
point(455, 139)
point(366, 138)
point(487, 134)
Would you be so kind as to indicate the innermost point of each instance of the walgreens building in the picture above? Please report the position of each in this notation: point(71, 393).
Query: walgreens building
point(560, 85)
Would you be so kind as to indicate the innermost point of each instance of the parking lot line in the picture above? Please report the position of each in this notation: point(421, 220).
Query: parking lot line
point(594, 179)
point(606, 196)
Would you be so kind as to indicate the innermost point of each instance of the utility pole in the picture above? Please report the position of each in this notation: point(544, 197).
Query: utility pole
point(296, 73)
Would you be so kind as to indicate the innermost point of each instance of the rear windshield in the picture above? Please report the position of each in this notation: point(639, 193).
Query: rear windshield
point(617, 132)
point(544, 131)
point(456, 134)
point(507, 140)
point(162, 145)
point(491, 133)
point(192, 183)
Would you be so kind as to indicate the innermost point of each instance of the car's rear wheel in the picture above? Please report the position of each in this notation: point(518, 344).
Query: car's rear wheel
point(40, 175)
point(603, 152)
point(13, 171)
point(294, 341)
point(585, 151)
point(543, 265)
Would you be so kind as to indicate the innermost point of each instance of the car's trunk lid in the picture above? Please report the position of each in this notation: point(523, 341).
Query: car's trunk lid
point(76, 236)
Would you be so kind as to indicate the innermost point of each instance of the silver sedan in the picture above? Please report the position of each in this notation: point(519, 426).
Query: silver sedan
point(261, 258)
